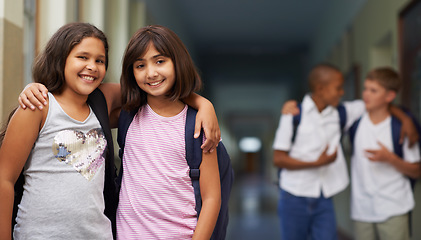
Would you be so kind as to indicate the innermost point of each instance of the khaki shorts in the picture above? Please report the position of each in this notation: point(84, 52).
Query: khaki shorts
point(394, 228)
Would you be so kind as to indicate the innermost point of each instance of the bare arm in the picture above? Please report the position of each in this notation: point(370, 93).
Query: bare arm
point(206, 119)
point(384, 155)
point(14, 151)
point(35, 94)
point(112, 93)
point(211, 196)
point(282, 159)
point(408, 127)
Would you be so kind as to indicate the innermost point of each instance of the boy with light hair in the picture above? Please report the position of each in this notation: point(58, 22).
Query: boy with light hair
point(381, 194)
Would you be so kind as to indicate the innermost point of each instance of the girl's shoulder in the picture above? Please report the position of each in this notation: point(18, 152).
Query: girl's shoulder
point(28, 115)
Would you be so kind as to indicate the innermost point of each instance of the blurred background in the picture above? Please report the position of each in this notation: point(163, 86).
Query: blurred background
point(253, 55)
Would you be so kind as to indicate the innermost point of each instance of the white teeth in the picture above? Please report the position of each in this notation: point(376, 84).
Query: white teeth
point(155, 83)
point(88, 78)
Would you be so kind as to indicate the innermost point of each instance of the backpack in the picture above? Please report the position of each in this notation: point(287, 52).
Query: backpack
point(194, 159)
point(97, 102)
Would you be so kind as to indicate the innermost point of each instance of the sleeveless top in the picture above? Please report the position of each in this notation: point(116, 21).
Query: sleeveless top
point(64, 181)
point(156, 197)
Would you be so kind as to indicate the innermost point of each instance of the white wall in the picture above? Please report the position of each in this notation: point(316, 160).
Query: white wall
point(11, 54)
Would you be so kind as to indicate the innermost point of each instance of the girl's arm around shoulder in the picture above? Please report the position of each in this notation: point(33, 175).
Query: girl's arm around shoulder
point(112, 93)
point(206, 119)
point(21, 134)
point(210, 188)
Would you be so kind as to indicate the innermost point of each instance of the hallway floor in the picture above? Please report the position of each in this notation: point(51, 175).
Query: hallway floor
point(253, 209)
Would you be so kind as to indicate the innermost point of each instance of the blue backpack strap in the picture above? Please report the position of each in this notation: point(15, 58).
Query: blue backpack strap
point(124, 121)
point(415, 121)
point(194, 155)
point(352, 131)
point(296, 119)
point(398, 149)
point(342, 115)
point(396, 132)
point(226, 174)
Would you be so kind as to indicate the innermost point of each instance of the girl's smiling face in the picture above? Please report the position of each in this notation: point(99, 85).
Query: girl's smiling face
point(154, 73)
point(85, 67)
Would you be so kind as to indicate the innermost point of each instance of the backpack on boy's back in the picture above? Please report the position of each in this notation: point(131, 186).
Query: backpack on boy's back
point(194, 159)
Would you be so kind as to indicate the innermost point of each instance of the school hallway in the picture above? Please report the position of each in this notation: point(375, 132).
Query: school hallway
point(252, 56)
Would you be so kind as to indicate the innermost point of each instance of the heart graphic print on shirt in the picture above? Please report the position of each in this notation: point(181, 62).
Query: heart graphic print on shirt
point(83, 152)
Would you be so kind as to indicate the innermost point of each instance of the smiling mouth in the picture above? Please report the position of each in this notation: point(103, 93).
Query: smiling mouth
point(155, 83)
point(88, 78)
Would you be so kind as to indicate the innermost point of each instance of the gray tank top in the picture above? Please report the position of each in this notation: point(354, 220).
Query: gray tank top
point(64, 181)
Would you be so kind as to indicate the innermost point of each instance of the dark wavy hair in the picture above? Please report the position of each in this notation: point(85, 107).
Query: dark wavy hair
point(48, 68)
point(167, 43)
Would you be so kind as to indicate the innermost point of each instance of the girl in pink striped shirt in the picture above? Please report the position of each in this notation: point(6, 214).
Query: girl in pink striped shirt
point(156, 197)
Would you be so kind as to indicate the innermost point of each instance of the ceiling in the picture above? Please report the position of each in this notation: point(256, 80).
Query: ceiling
point(256, 26)
point(236, 34)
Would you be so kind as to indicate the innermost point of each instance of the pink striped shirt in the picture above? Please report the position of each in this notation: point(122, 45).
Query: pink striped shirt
point(156, 197)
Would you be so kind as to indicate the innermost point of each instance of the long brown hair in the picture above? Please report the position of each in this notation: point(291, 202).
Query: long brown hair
point(167, 43)
point(4, 127)
point(48, 68)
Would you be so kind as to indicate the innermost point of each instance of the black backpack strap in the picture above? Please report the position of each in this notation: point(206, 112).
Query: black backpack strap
point(194, 155)
point(18, 197)
point(97, 102)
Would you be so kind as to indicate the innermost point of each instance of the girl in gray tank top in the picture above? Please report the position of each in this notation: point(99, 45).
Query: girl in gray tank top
point(61, 148)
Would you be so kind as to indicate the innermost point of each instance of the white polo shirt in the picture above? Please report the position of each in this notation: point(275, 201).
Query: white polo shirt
point(315, 131)
point(378, 190)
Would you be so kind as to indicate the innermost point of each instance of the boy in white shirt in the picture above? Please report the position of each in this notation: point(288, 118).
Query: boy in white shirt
point(381, 195)
point(313, 165)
